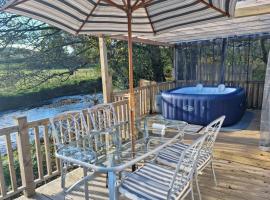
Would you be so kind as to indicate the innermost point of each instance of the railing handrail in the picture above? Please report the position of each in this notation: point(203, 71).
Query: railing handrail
point(146, 103)
point(25, 155)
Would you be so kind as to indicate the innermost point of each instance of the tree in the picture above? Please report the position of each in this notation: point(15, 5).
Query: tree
point(149, 62)
point(30, 49)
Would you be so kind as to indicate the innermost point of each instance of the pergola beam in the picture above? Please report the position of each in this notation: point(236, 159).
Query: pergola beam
point(226, 29)
point(255, 9)
point(142, 40)
point(220, 34)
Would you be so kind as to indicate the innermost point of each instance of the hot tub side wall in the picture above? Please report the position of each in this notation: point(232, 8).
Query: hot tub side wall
point(202, 109)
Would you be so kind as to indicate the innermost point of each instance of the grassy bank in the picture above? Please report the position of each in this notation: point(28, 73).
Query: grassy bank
point(84, 81)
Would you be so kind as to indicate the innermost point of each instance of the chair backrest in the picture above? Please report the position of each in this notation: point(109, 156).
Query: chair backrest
point(68, 126)
point(102, 116)
point(185, 167)
point(212, 131)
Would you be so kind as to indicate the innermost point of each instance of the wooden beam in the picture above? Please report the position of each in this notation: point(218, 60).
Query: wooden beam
point(252, 10)
point(175, 63)
point(141, 40)
point(106, 78)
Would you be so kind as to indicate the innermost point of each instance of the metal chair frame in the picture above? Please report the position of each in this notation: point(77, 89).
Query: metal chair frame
point(69, 127)
point(182, 173)
point(211, 131)
point(104, 122)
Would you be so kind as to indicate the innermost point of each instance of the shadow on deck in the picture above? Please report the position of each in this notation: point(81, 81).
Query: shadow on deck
point(243, 172)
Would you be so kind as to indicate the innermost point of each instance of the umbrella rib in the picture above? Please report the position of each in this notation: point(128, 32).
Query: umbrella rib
point(140, 5)
point(137, 1)
point(124, 2)
point(148, 16)
point(15, 4)
point(87, 17)
point(215, 8)
point(115, 5)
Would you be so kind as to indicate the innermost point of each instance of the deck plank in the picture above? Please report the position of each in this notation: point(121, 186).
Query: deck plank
point(242, 169)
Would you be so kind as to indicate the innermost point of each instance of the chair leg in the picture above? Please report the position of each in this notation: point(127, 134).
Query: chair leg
point(213, 171)
point(86, 191)
point(63, 174)
point(107, 175)
point(197, 185)
point(192, 192)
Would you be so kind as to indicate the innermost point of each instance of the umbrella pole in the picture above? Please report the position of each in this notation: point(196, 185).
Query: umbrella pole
point(131, 83)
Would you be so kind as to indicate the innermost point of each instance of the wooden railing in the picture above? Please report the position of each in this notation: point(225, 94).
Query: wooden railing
point(35, 150)
point(146, 100)
point(145, 96)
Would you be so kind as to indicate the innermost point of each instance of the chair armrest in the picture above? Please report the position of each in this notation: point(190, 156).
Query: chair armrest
point(121, 123)
point(196, 131)
point(95, 132)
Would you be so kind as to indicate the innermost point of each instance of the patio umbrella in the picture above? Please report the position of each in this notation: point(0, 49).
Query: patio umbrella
point(122, 17)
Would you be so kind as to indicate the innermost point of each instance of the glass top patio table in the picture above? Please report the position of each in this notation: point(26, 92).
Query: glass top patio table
point(119, 156)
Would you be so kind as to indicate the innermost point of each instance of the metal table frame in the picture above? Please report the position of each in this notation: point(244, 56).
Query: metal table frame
point(112, 170)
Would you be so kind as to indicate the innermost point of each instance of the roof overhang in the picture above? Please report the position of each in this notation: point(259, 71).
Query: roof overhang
point(252, 17)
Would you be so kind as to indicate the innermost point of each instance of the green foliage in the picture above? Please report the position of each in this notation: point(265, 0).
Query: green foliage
point(6, 171)
point(80, 75)
point(149, 62)
point(5, 163)
point(37, 59)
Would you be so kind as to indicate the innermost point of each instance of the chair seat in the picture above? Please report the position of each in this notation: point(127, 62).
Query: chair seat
point(171, 154)
point(77, 153)
point(150, 182)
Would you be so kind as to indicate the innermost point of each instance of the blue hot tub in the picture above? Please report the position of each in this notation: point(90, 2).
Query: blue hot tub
point(201, 105)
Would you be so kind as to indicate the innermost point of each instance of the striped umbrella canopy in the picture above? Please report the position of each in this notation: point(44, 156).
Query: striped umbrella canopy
point(122, 17)
point(111, 16)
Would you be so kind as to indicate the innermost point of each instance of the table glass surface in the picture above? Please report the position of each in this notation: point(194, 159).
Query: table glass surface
point(97, 153)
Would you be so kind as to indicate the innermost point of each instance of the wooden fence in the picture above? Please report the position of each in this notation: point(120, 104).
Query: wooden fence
point(35, 146)
point(145, 96)
point(35, 154)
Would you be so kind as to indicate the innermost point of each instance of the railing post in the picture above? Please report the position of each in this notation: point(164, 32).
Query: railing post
point(25, 159)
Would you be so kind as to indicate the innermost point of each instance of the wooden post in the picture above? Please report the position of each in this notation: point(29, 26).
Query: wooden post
point(175, 63)
point(223, 58)
point(131, 81)
point(24, 152)
point(106, 78)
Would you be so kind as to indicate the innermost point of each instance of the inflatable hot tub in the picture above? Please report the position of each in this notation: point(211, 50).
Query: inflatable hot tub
point(201, 105)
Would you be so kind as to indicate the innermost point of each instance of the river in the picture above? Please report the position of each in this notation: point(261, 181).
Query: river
point(50, 108)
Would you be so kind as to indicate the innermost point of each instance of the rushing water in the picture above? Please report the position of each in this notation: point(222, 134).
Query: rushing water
point(49, 109)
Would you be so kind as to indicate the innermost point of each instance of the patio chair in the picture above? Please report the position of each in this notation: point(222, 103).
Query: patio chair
point(106, 128)
point(67, 128)
point(105, 125)
point(170, 155)
point(158, 182)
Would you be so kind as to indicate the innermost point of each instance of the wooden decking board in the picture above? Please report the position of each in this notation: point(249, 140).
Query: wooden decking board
point(242, 169)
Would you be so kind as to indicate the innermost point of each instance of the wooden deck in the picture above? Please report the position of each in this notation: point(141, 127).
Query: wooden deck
point(243, 171)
